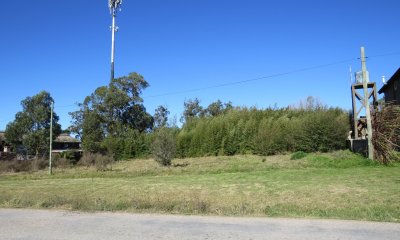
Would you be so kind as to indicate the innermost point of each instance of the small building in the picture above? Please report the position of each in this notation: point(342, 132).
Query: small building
point(391, 89)
point(64, 142)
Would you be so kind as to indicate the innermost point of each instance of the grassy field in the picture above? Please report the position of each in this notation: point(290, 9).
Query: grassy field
point(333, 185)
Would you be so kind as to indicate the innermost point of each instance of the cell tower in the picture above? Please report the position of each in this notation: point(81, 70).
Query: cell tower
point(114, 5)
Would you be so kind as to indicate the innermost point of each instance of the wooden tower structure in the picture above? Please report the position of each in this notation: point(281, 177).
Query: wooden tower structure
point(360, 122)
point(362, 125)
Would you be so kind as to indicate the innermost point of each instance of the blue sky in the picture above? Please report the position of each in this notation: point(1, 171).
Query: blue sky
point(178, 45)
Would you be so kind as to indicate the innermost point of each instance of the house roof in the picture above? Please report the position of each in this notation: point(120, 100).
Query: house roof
point(65, 138)
point(396, 75)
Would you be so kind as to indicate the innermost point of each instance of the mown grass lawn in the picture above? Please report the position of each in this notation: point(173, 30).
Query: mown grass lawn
point(332, 185)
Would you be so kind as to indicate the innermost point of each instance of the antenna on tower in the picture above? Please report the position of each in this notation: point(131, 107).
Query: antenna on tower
point(113, 5)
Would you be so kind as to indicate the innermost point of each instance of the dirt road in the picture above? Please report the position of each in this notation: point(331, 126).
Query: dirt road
point(43, 225)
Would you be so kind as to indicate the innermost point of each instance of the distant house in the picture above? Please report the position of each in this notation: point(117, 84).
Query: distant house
point(64, 142)
point(391, 89)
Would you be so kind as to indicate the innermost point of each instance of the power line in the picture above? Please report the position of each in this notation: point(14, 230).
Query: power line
point(268, 77)
point(254, 79)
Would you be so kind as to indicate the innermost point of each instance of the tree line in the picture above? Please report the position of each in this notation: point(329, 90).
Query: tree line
point(113, 120)
point(265, 132)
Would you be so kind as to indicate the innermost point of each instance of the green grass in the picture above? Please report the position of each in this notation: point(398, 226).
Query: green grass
point(332, 185)
point(298, 155)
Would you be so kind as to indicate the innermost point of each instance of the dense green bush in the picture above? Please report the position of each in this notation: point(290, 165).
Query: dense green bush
point(322, 130)
point(136, 144)
point(130, 144)
point(298, 155)
point(114, 146)
point(264, 132)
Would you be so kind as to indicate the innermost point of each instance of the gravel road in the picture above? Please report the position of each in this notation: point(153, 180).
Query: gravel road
point(44, 224)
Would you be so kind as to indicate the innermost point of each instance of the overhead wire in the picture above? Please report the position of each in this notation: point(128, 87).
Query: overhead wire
point(267, 77)
point(254, 79)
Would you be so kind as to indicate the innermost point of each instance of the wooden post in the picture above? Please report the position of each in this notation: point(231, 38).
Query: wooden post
point(367, 107)
point(51, 138)
point(355, 115)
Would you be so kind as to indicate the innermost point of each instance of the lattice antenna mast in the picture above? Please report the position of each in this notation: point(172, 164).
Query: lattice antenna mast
point(114, 5)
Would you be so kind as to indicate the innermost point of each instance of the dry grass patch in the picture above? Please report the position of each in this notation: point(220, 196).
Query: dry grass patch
point(321, 185)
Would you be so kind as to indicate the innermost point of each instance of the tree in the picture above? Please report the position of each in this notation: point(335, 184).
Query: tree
point(112, 110)
point(161, 117)
point(217, 108)
point(137, 118)
point(31, 126)
point(92, 132)
point(192, 109)
point(214, 109)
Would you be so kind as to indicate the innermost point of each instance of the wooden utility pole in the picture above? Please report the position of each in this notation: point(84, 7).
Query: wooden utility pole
point(51, 137)
point(365, 81)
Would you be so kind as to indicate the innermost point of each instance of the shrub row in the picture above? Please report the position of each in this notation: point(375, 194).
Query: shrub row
point(244, 131)
point(264, 132)
point(130, 144)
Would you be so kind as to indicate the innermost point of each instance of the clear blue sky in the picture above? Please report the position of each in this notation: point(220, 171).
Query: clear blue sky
point(178, 45)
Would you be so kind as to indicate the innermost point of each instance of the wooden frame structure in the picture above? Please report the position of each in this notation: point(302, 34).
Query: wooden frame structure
point(359, 122)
